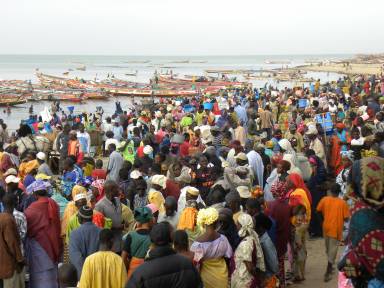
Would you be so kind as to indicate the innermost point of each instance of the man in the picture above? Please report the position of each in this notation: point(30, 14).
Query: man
point(163, 267)
point(117, 131)
point(266, 119)
point(315, 144)
point(43, 166)
point(256, 164)
point(62, 142)
point(84, 240)
point(110, 207)
point(11, 257)
point(292, 133)
point(84, 139)
point(12, 187)
point(166, 186)
point(115, 163)
point(44, 244)
point(104, 268)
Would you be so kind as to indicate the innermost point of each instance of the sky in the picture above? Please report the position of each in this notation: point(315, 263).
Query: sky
point(198, 27)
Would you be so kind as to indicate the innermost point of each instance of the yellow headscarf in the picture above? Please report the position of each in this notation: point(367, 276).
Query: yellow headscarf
point(155, 197)
point(207, 216)
point(77, 189)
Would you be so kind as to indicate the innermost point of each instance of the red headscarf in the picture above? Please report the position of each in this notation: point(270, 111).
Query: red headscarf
point(298, 183)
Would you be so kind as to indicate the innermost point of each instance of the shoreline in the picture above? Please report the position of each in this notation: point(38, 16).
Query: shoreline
point(345, 69)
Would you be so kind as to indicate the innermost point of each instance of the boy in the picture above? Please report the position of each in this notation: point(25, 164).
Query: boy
point(335, 211)
point(99, 172)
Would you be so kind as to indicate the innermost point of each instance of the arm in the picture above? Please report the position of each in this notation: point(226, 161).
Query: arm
point(12, 242)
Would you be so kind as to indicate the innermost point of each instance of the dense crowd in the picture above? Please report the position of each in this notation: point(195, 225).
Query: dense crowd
point(209, 191)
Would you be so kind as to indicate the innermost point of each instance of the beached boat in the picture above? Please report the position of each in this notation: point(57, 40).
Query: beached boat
point(180, 61)
point(277, 62)
point(11, 102)
point(131, 73)
point(95, 95)
point(81, 68)
point(151, 93)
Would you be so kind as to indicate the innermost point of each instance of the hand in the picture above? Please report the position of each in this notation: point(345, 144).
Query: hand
point(19, 266)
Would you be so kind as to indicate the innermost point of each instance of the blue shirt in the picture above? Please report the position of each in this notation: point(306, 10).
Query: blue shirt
point(83, 242)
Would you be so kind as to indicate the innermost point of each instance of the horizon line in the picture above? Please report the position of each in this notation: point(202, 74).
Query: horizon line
point(185, 55)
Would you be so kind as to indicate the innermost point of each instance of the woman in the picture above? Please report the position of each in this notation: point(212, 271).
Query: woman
point(278, 188)
point(347, 158)
point(137, 242)
point(249, 257)
point(298, 192)
point(211, 250)
point(272, 177)
point(339, 143)
point(228, 227)
point(363, 261)
point(204, 177)
point(180, 174)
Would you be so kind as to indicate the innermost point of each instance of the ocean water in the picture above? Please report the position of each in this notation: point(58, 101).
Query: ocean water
point(24, 67)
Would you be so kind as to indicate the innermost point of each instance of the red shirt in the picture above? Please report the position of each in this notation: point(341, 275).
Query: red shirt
point(99, 174)
point(184, 149)
point(172, 189)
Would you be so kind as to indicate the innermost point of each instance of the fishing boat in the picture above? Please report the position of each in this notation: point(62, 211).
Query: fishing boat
point(95, 95)
point(81, 68)
point(277, 62)
point(11, 102)
point(66, 73)
point(180, 61)
point(151, 92)
point(137, 61)
point(131, 73)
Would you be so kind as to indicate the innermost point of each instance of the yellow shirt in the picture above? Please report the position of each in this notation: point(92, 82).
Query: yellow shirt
point(103, 269)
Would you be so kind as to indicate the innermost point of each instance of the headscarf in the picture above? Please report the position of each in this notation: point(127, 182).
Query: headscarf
point(99, 185)
point(77, 189)
point(38, 185)
point(349, 154)
point(367, 180)
point(340, 125)
point(207, 216)
point(155, 197)
point(247, 228)
point(298, 183)
point(143, 215)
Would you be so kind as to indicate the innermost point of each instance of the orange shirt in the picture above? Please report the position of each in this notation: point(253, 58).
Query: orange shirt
point(305, 202)
point(335, 211)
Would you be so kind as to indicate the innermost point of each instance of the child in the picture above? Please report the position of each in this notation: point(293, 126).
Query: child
point(335, 211)
point(67, 276)
point(99, 172)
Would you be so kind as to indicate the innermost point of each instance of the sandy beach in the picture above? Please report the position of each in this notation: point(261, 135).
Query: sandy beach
point(315, 266)
point(351, 69)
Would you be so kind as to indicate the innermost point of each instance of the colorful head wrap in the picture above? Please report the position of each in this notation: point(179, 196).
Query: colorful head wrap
point(38, 185)
point(155, 197)
point(340, 125)
point(77, 189)
point(367, 180)
point(207, 216)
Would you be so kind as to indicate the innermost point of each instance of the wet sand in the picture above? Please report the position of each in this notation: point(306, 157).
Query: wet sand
point(352, 69)
point(316, 265)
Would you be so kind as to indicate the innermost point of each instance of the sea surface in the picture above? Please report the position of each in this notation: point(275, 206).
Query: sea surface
point(24, 67)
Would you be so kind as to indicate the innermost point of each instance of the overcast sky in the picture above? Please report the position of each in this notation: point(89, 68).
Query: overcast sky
point(197, 27)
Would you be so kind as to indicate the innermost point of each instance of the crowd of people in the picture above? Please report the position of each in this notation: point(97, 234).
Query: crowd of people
point(209, 192)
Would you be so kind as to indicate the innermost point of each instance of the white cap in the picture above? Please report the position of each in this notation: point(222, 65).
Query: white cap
point(147, 149)
point(312, 130)
point(160, 180)
point(12, 179)
point(40, 156)
point(135, 174)
point(80, 196)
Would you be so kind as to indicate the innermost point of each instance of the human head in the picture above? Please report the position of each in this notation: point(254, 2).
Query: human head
point(12, 182)
point(106, 240)
point(143, 215)
point(335, 189)
point(67, 275)
point(347, 158)
point(99, 164)
point(161, 234)
point(283, 167)
point(85, 214)
point(262, 223)
point(68, 164)
point(80, 200)
point(203, 161)
point(9, 201)
point(81, 128)
point(208, 218)
point(111, 148)
point(170, 205)
point(233, 201)
point(41, 157)
point(253, 206)
point(140, 186)
point(180, 240)
point(111, 189)
point(192, 193)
